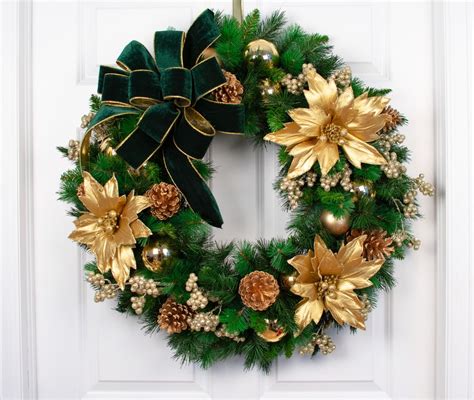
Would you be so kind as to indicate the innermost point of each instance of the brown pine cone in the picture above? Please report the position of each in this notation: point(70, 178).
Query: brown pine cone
point(258, 290)
point(173, 316)
point(394, 119)
point(376, 246)
point(231, 92)
point(165, 200)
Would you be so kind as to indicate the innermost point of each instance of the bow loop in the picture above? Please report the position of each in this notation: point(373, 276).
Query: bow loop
point(177, 85)
point(193, 134)
point(136, 56)
point(115, 89)
point(207, 76)
point(169, 49)
point(104, 70)
point(144, 88)
point(202, 34)
point(224, 117)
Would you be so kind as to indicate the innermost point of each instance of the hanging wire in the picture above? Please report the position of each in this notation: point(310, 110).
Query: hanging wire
point(237, 10)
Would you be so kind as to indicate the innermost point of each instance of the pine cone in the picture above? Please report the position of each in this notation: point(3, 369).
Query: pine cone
point(394, 119)
point(258, 290)
point(173, 316)
point(165, 199)
point(231, 92)
point(376, 246)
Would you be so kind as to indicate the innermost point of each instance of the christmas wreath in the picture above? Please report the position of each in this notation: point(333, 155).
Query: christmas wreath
point(142, 207)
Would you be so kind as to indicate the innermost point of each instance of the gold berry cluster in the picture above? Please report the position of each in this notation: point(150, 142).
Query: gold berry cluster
point(342, 77)
point(197, 299)
point(343, 177)
point(203, 321)
point(294, 187)
point(296, 84)
point(104, 289)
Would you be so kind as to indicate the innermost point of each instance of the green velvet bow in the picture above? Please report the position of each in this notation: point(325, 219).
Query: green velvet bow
point(176, 121)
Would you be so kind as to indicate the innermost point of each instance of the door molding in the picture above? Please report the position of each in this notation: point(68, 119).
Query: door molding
point(454, 106)
point(17, 333)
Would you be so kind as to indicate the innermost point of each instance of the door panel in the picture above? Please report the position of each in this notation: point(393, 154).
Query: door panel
point(85, 350)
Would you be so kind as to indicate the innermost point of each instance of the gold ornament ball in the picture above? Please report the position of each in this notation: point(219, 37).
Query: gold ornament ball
point(362, 189)
point(268, 89)
point(154, 253)
point(334, 225)
point(273, 333)
point(262, 50)
point(289, 280)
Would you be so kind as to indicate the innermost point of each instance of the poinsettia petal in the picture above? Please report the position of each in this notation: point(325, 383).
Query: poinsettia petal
point(321, 93)
point(302, 263)
point(288, 136)
point(329, 265)
point(358, 152)
point(86, 229)
point(365, 127)
point(352, 250)
point(111, 187)
point(307, 147)
point(104, 265)
point(310, 120)
point(302, 163)
point(359, 275)
point(344, 112)
point(374, 105)
point(96, 199)
point(307, 311)
point(305, 290)
point(121, 264)
point(124, 234)
point(320, 249)
point(328, 157)
point(104, 248)
point(346, 308)
point(134, 205)
point(139, 229)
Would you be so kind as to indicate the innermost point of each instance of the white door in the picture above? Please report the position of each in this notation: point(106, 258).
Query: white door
point(83, 350)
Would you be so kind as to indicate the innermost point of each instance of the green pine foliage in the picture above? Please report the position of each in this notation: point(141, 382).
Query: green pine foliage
point(220, 267)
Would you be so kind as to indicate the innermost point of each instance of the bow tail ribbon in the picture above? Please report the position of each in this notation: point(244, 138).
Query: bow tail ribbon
point(190, 142)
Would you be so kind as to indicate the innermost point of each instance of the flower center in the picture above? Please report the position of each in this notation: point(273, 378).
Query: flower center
point(109, 222)
point(327, 286)
point(333, 133)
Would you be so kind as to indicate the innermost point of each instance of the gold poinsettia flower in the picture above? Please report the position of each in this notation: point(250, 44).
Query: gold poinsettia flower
point(326, 281)
point(111, 226)
point(330, 122)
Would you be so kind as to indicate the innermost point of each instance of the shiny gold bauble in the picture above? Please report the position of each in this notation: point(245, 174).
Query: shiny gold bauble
point(208, 53)
point(362, 189)
point(154, 253)
point(289, 280)
point(273, 333)
point(268, 89)
point(262, 50)
point(334, 225)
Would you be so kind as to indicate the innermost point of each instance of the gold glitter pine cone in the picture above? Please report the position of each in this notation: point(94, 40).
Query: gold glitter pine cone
point(376, 246)
point(230, 92)
point(173, 316)
point(393, 119)
point(165, 199)
point(258, 290)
